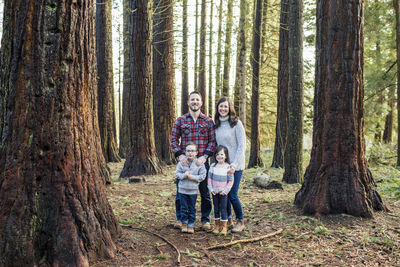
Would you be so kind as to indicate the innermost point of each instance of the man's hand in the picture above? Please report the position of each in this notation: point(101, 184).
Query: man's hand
point(201, 161)
point(231, 170)
point(183, 160)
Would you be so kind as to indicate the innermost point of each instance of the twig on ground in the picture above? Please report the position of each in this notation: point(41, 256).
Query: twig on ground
point(160, 236)
point(394, 215)
point(246, 240)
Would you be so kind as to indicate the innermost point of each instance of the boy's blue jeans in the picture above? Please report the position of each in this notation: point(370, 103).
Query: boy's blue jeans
point(234, 198)
point(188, 209)
point(220, 207)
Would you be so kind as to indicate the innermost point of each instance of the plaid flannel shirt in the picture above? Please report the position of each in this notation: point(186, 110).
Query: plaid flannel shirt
point(201, 132)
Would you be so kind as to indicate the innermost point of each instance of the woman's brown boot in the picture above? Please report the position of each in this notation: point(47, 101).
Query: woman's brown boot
point(239, 227)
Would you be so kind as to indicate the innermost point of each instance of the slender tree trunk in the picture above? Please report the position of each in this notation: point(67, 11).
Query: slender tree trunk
point(124, 132)
point(264, 32)
point(185, 67)
point(283, 88)
point(218, 84)
point(294, 147)
point(141, 158)
point(196, 50)
point(120, 53)
point(255, 157)
point(227, 52)
point(105, 84)
point(337, 179)
point(240, 80)
point(163, 79)
point(54, 210)
point(210, 58)
point(397, 12)
point(202, 65)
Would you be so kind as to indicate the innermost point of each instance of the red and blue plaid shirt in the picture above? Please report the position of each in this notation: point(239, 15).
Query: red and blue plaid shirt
point(201, 132)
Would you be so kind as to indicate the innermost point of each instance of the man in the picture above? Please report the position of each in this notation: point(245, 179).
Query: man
point(197, 128)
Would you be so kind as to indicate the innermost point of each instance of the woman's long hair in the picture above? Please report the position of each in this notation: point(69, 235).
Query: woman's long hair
point(232, 117)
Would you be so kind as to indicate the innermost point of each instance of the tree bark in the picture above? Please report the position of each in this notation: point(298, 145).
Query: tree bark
point(141, 158)
point(124, 131)
point(397, 13)
point(185, 68)
point(105, 83)
point(283, 88)
point(202, 63)
point(337, 179)
point(227, 51)
point(210, 59)
point(387, 133)
point(294, 146)
point(255, 157)
point(218, 84)
point(53, 206)
point(163, 79)
point(196, 50)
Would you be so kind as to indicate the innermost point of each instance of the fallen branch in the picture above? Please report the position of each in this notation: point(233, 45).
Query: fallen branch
point(246, 240)
point(163, 238)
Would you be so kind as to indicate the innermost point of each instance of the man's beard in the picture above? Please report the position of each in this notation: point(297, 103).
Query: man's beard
point(194, 108)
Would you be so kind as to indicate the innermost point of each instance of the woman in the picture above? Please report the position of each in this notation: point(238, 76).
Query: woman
point(231, 134)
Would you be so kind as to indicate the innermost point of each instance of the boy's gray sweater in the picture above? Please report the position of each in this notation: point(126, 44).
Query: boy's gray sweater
point(186, 186)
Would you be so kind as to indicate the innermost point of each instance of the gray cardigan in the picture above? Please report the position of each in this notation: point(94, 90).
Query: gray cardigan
point(234, 138)
point(186, 186)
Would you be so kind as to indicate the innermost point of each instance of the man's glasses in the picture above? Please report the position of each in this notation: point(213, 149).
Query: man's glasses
point(191, 151)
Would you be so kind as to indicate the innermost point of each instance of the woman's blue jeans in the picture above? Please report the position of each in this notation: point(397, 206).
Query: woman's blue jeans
point(234, 198)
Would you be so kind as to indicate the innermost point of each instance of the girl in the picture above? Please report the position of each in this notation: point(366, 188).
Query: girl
point(219, 184)
point(230, 133)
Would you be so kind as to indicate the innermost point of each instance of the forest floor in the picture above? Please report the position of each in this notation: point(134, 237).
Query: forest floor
point(146, 213)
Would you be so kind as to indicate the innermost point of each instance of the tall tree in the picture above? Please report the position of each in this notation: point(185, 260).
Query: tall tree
point(387, 133)
point(163, 78)
point(397, 12)
point(185, 67)
point(255, 157)
point(202, 65)
point(294, 146)
point(218, 84)
point(124, 130)
point(283, 88)
point(54, 210)
point(240, 79)
point(105, 82)
point(210, 60)
point(196, 42)
point(141, 158)
point(227, 51)
point(337, 179)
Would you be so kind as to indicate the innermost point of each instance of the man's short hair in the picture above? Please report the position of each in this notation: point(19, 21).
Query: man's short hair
point(197, 93)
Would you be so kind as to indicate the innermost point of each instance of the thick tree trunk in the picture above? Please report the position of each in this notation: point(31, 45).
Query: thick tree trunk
point(337, 179)
point(185, 68)
point(105, 82)
point(141, 158)
point(53, 206)
point(227, 51)
point(255, 157)
point(210, 60)
point(124, 131)
point(283, 88)
point(202, 66)
point(294, 146)
point(218, 84)
point(163, 79)
point(397, 12)
point(240, 80)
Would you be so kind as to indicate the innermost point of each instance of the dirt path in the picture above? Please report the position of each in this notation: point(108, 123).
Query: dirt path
point(148, 213)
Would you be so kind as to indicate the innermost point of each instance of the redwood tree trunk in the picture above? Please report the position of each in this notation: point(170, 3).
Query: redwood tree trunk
point(141, 158)
point(53, 206)
point(255, 157)
point(283, 88)
point(105, 82)
point(337, 179)
point(185, 68)
point(202, 66)
point(210, 60)
point(227, 51)
point(294, 146)
point(163, 80)
point(218, 84)
point(397, 12)
point(196, 50)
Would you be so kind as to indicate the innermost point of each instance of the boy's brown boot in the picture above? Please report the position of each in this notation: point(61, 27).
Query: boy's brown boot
point(217, 227)
point(184, 228)
point(223, 228)
point(239, 227)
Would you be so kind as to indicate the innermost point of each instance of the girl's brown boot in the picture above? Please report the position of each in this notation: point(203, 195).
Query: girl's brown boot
point(217, 227)
point(223, 229)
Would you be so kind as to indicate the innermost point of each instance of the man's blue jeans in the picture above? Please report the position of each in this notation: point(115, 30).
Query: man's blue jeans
point(234, 198)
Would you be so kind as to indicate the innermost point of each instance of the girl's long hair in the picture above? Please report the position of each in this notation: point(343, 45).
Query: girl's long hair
point(232, 117)
point(218, 149)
